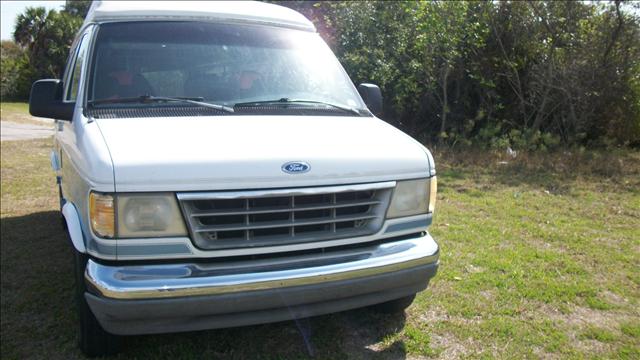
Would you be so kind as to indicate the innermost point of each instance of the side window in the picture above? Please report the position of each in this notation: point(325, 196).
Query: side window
point(76, 70)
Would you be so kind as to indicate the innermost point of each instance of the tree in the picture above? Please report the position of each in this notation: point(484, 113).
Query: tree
point(77, 8)
point(528, 74)
point(46, 37)
point(15, 71)
point(29, 26)
point(49, 53)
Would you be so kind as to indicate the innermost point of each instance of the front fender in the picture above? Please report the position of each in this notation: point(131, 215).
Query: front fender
point(73, 227)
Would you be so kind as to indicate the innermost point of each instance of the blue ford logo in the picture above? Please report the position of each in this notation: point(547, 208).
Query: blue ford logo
point(296, 167)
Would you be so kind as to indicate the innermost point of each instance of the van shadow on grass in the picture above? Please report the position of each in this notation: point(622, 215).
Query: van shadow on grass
point(39, 320)
point(350, 334)
point(37, 287)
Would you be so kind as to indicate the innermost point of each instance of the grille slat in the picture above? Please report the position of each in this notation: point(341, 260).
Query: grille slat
point(224, 220)
point(284, 209)
point(277, 224)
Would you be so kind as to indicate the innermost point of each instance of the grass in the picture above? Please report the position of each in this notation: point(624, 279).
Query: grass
point(598, 334)
point(539, 258)
point(18, 112)
point(16, 107)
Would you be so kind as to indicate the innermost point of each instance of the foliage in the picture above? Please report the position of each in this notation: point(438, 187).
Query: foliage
point(77, 7)
point(530, 75)
point(42, 41)
point(16, 73)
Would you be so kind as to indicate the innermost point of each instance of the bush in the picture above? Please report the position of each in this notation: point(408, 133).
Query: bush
point(15, 82)
point(42, 42)
point(529, 75)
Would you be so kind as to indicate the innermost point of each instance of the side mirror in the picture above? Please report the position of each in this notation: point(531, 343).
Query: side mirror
point(46, 100)
point(372, 97)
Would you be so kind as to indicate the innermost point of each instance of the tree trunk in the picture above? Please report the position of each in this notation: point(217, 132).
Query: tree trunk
point(445, 103)
point(540, 113)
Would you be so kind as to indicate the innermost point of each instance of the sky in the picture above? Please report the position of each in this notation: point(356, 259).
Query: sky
point(10, 10)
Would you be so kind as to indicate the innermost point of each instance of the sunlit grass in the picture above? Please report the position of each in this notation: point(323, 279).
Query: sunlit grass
point(18, 112)
point(539, 258)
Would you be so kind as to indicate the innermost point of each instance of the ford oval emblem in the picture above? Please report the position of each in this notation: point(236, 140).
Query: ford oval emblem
point(296, 167)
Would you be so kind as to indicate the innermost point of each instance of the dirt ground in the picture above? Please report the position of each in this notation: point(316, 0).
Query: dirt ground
point(17, 124)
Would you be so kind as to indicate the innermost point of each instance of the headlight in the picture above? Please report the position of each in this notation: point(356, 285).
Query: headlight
point(413, 197)
point(149, 215)
point(145, 215)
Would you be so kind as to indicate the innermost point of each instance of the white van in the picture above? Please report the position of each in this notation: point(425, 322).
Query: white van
point(218, 168)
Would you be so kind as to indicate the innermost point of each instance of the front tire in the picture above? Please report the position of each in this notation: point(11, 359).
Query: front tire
point(395, 306)
point(93, 339)
point(63, 221)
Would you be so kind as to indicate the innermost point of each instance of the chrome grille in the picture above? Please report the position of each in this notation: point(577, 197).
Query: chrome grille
point(232, 219)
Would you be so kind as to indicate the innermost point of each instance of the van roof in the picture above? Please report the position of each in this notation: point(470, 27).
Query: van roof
point(237, 11)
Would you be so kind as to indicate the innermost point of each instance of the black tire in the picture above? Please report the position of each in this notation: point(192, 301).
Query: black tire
point(63, 221)
point(93, 339)
point(394, 306)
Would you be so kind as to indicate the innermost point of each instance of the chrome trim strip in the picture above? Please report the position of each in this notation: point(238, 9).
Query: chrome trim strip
point(226, 195)
point(420, 223)
point(179, 280)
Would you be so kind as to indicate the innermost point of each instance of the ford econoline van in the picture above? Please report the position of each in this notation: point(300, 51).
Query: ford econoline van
point(218, 168)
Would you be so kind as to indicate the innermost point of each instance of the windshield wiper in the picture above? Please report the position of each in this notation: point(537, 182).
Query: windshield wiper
point(285, 101)
point(150, 99)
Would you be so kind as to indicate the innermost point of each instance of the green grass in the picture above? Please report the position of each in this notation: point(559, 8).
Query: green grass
point(598, 334)
point(21, 107)
point(19, 112)
point(13, 110)
point(632, 330)
point(539, 258)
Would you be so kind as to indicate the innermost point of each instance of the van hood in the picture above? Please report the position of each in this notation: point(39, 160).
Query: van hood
point(248, 152)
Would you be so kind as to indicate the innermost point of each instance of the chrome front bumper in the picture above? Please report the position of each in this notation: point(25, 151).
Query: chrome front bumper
point(139, 299)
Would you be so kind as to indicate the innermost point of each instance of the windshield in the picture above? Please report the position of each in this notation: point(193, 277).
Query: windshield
point(223, 64)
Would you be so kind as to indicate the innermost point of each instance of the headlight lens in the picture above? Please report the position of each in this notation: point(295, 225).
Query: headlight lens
point(138, 215)
point(101, 212)
point(148, 215)
point(412, 198)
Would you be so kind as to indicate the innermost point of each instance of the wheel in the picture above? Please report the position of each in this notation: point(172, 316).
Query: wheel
point(93, 339)
point(394, 306)
point(63, 221)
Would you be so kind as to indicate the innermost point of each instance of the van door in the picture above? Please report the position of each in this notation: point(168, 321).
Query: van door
point(67, 131)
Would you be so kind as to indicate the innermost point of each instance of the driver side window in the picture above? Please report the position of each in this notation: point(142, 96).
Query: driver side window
point(76, 70)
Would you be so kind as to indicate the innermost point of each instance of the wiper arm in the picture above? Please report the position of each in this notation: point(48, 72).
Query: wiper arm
point(149, 99)
point(298, 101)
